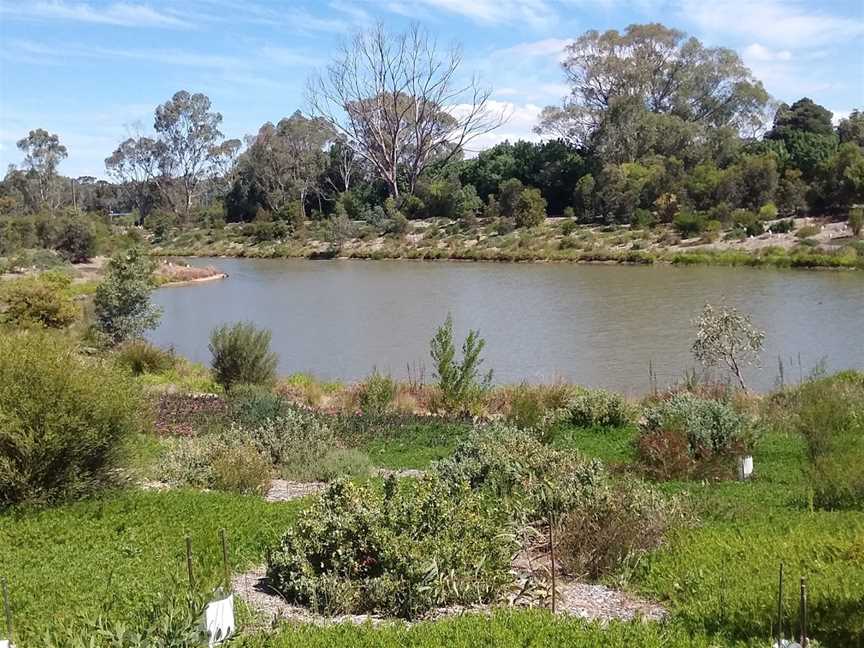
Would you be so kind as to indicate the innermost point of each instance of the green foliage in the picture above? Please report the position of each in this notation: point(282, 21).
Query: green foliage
point(594, 407)
point(122, 303)
point(141, 357)
point(689, 224)
point(76, 241)
point(829, 414)
point(243, 469)
point(530, 209)
point(528, 476)
point(43, 302)
point(711, 428)
point(459, 381)
point(402, 551)
point(253, 405)
point(856, 220)
point(64, 420)
point(240, 354)
point(376, 394)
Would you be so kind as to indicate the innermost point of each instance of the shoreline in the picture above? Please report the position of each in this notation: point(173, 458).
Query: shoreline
point(185, 282)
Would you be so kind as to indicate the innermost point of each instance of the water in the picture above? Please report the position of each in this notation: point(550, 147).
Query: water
point(589, 324)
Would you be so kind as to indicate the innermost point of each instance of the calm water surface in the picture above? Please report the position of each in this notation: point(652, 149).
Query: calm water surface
point(593, 325)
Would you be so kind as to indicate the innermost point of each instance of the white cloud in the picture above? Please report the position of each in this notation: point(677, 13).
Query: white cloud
point(521, 120)
point(757, 52)
point(548, 47)
point(772, 22)
point(122, 14)
point(536, 13)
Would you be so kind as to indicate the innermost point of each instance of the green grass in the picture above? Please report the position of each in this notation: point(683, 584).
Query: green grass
point(126, 549)
point(414, 445)
point(523, 629)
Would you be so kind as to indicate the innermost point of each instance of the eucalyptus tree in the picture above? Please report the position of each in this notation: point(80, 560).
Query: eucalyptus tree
point(399, 102)
point(43, 153)
point(657, 70)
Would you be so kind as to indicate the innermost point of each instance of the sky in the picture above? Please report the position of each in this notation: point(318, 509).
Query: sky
point(93, 71)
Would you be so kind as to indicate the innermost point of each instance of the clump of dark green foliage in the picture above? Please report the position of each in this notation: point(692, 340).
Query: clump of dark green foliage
point(241, 355)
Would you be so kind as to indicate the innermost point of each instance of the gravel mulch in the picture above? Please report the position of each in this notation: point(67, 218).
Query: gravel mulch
point(282, 490)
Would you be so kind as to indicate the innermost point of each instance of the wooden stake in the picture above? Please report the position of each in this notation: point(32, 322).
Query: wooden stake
point(780, 610)
point(552, 555)
point(189, 563)
point(225, 560)
point(7, 610)
point(803, 604)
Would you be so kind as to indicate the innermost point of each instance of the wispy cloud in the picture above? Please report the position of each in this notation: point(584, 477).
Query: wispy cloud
point(774, 23)
point(121, 14)
point(537, 13)
point(548, 47)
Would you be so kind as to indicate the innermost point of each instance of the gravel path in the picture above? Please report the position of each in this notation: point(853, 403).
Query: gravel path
point(282, 490)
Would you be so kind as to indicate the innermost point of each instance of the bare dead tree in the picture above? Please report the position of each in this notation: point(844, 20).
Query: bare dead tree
point(399, 103)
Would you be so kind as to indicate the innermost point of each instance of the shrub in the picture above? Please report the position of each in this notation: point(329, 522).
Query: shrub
point(460, 382)
point(530, 209)
point(253, 405)
point(402, 551)
point(528, 405)
point(829, 414)
point(64, 419)
point(514, 466)
point(75, 241)
point(595, 407)
point(40, 302)
point(768, 211)
point(613, 528)
point(122, 303)
point(715, 433)
point(242, 470)
point(856, 220)
point(140, 357)
point(689, 224)
point(783, 226)
point(241, 355)
point(807, 231)
point(342, 462)
point(377, 394)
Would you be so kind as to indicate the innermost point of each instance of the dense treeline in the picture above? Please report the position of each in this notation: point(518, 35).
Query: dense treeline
point(657, 128)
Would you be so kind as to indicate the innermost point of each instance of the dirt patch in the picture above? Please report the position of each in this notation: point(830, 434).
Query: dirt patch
point(283, 490)
point(180, 414)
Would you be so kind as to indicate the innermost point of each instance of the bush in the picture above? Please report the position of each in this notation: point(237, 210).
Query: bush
point(342, 462)
point(377, 394)
point(807, 231)
point(613, 528)
point(241, 355)
point(75, 241)
point(140, 357)
point(530, 209)
point(528, 405)
point(856, 220)
point(595, 407)
point(714, 432)
point(40, 302)
point(460, 382)
point(829, 414)
point(64, 419)
point(242, 470)
point(689, 224)
point(514, 466)
point(783, 226)
point(253, 405)
point(122, 302)
point(402, 551)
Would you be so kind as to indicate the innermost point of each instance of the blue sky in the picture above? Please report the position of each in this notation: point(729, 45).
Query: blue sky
point(90, 70)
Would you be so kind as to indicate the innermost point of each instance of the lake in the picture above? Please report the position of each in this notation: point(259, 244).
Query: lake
point(597, 325)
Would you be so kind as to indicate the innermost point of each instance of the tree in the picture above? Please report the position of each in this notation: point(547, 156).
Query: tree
point(508, 196)
point(122, 302)
point(397, 102)
point(851, 128)
point(804, 115)
point(530, 208)
point(188, 135)
point(726, 336)
point(43, 152)
point(76, 241)
point(134, 164)
point(459, 381)
point(663, 71)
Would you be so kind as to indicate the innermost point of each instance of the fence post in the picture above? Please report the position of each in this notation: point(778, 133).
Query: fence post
point(803, 639)
point(225, 559)
point(7, 610)
point(780, 610)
